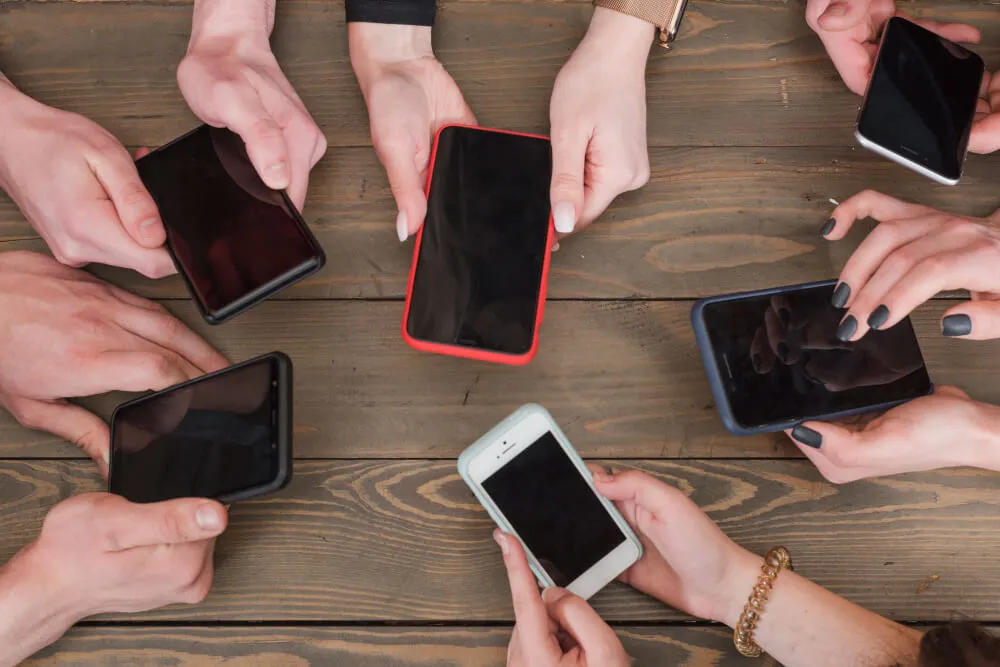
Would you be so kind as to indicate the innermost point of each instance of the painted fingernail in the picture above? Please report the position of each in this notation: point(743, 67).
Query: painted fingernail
point(807, 436)
point(401, 227)
point(956, 325)
point(755, 361)
point(207, 517)
point(847, 328)
point(501, 541)
point(841, 295)
point(878, 317)
point(828, 227)
point(564, 217)
point(786, 317)
point(783, 351)
point(146, 227)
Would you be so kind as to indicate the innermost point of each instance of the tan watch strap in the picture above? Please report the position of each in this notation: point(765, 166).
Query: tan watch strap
point(664, 14)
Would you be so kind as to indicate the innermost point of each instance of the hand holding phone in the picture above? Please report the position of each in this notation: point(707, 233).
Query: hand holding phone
point(986, 129)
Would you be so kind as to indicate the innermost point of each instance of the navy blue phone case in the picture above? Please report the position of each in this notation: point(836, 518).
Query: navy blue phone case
point(715, 374)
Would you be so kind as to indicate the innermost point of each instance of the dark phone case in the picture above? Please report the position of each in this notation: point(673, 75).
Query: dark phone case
point(252, 298)
point(715, 373)
point(284, 426)
point(464, 351)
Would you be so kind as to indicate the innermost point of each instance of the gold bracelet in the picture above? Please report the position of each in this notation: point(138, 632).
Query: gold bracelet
point(777, 559)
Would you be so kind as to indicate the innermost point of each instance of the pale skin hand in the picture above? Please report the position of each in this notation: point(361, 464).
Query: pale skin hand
point(986, 129)
point(598, 117)
point(230, 78)
point(78, 187)
point(689, 563)
point(555, 628)
point(98, 553)
point(912, 255)
point(409, 96)
point(53, 318)
point(850, 30)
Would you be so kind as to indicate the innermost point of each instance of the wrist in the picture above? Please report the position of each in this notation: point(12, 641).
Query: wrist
point(738, 584)
point(231, 19)
point(375, 46)
point(620, 36)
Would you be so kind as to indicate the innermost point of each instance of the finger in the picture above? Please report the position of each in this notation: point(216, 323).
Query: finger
point(843, 15)
point(974, 320)
point(178, 521)
point(598, 641)
point(832, 448)
point(529, 610)
point(870, 204)
point(115, 247)
point(67, 421)
point(948, 390)
point(167, 332)
point(136, 370)
point(985, 136)
point(638, 487)
point(403, 159)
point(134, 205)
point(761, 354)
point(241, 110)
point(956, 32)
point(599, 193)
point(776, 337)
point(569, 157)
point(142, 152)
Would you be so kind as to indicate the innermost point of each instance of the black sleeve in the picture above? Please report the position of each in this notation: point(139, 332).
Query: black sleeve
point(405, 12)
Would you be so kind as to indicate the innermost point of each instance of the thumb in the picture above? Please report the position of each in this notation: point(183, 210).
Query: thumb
point(598, 641)
point(172, 522)
point(834, 450)
point(140, 218)
point(407, 187)
point(264, 138)
point(69, 422)
point(985, 136)
point(843, 15)
point(973, 320)
point(569, 157)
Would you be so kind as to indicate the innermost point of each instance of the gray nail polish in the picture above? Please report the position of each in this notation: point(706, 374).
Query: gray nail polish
point(956, 325)
point(878, 317)
point(841, 295)
point(786, 317)
point(807, 436)
point(783, 351)
point(755, 361)
point(828, 227)
point(847, 328)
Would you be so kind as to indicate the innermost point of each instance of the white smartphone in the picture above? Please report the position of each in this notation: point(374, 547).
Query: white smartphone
point(536, 487)
point(921, 101)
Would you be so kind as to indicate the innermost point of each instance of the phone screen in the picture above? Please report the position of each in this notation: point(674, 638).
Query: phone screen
point(230, 234)
point(206, 439)
point(922, 98)
point(780, 360)
point(478, 276)
point(554, 511)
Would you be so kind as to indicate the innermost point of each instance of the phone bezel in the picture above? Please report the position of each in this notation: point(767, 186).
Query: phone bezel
point(465, 351)
point(718, 386)
point(890, 154)
point(265, 291)
point(283, 424)
point(508, 439)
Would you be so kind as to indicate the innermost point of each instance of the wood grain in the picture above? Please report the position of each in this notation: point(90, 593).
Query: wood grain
point(624, 379)
point(406, 540)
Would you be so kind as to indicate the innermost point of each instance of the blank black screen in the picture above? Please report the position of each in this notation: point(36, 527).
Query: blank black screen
point(824, 375)
point(554, 511)
point(207, 439)
point(922, 98)
point(479, 269)
point(229, 233)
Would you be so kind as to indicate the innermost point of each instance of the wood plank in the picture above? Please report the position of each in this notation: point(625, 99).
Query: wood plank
point(622, 378)
point(744, 73)
point(711, 221)
point(406, 540)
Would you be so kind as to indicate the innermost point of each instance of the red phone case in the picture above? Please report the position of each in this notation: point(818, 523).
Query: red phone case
point(460, 350)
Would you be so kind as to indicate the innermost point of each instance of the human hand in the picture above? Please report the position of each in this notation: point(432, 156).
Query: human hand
point(230, 78)
point(942, 430)
point(78, 187)
point(850, 30)
point(555, 628)
point(687, 561)
point(66, 334)
point(409, 96)
point(598, 116)
point(985, 136)
point(912, 255)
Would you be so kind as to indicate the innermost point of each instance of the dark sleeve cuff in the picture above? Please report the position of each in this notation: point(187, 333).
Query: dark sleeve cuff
point(399, 12)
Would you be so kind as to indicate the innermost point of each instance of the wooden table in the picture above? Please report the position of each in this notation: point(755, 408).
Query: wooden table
point(376, 554)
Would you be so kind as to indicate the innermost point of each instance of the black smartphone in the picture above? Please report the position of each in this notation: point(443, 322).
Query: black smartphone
point(921, 101)
point(227, 435)
point(774, 360)
point(234, 240)
point(477, 286)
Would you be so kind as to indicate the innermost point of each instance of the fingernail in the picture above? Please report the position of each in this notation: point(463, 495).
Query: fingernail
point(841, 295)
point(401, 227)
point(847, 328)
point(807, 436)
point(604, 476)
point(501, 541)
point(956, 325)
point(878, 317)
point(755, 361)
point(146, 227)
point(278, 173)
point(555, 247)
point(106, 457)
point(837, 9)
point(783, 351)
point(564, 217)
point(553, 594)
point(828, 227)
point(207, 517)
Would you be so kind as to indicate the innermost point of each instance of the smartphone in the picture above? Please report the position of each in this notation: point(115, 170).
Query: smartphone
point(227, 435)
point(774, 360)
point(481, 261)
point(921, 101)
point(234, 240)
point(536, 487)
